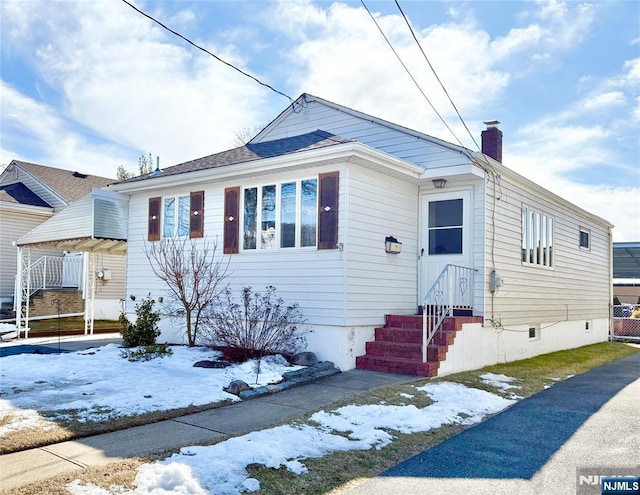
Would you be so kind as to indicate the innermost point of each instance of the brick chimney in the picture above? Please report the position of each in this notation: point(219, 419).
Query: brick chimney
point(492, 140)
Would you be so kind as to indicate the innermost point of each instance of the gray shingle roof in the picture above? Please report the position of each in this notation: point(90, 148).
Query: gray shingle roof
point(252, 152)
point(67, 183)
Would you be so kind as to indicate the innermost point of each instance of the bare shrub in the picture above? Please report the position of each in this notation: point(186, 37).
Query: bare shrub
point(194, 276)
point(260, 324)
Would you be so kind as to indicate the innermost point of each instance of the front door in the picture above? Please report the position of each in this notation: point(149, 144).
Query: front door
point(445, 235)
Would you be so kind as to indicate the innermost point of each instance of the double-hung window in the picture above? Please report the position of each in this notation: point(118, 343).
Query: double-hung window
point(176, 216)
point(537, 238)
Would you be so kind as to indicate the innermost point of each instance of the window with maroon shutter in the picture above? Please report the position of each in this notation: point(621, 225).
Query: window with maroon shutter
point(153, 231)
point(196, 215)
point(328, 211)
point(231, 220)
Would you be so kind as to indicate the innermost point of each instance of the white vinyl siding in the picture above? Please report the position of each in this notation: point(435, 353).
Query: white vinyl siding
point(313, 278)
point(378, 283)
point(14, 224)
point(577, 288)
point(115, 287)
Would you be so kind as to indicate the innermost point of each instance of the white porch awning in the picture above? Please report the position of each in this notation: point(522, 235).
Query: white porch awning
point(96, 223)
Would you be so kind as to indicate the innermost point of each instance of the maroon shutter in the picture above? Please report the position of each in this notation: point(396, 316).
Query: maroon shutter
point(328, 211)
point(153, 231)
point(196, 214)
point(231, 219)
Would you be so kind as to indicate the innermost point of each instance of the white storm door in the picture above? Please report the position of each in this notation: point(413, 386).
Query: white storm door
point(445, 236)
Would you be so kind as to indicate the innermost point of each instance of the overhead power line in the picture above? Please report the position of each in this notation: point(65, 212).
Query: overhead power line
point(436, 74)
point(208, 52)
point(409, 73)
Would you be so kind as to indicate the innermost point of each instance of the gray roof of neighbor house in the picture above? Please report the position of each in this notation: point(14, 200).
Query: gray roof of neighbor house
point(68, 184)
point(626, 260)
point(18, 193)
point(252, 152)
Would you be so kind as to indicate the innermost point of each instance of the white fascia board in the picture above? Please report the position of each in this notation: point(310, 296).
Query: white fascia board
point(340, 153)
point(466, 169)
point(505, 171)
point(20, 208)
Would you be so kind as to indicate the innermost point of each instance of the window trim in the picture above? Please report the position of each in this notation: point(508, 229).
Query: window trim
point(537, 231)
point(277, 241)
point(587, 232)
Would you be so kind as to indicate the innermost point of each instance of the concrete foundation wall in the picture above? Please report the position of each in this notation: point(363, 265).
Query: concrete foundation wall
point(477, 346)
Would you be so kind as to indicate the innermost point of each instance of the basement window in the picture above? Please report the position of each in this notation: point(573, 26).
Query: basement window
point(534, 332)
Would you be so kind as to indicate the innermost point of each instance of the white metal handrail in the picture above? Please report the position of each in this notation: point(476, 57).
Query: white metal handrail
point(453, 289)
point(51, 272)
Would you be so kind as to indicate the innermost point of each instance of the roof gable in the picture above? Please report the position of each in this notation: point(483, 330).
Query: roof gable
point(407, 144)
point(18, 193)
point(66, 184)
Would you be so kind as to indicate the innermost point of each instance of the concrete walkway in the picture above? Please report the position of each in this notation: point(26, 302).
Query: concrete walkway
point(21, 468)
point(586, 425)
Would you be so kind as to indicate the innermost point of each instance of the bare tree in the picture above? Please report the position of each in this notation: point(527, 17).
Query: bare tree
point(145, 166)
point(244, 135)
point(194, 276)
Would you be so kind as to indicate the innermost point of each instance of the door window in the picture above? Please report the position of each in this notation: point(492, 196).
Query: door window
point(445, 227)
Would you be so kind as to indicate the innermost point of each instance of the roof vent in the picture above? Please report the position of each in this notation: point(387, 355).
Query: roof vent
point(80, 175)
point(157, 170)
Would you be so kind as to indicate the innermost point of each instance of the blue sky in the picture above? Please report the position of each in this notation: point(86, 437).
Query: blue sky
point(91, 85)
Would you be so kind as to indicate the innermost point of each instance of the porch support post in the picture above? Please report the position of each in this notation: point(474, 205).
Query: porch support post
point(17, 292)
point(89, 302)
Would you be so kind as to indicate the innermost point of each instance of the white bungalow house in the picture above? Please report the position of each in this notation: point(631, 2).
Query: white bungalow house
point(40, 248)
point(393, 242)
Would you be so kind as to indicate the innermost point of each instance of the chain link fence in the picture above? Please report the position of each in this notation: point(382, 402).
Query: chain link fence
point(626, 322)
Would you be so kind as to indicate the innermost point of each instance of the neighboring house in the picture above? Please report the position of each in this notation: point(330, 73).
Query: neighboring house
point(32, 195)
point(626, 271)
point(359, 221)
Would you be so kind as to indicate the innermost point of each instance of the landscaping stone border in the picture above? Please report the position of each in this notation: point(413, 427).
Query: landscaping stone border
point(294, 378)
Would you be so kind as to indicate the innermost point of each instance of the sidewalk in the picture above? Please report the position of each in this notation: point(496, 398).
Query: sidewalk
point(588, 422)
point(33, 465)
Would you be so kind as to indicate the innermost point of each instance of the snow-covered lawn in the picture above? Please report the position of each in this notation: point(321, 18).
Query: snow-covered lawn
point(98, 384)
point(221, 469)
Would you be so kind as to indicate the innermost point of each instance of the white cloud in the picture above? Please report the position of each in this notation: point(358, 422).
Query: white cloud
point(33, 125)
point(123, 78)
point(605, 100)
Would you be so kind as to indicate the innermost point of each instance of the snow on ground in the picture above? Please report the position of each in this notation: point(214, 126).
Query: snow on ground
point(100, 384)
point(221, 468)
point(503, 382)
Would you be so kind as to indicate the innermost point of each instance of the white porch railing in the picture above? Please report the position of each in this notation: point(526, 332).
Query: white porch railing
point(54, 272)
point(49, 272)
point(452, 290)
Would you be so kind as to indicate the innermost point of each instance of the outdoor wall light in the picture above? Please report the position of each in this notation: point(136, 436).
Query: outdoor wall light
point(439, 183)
point(391, 245)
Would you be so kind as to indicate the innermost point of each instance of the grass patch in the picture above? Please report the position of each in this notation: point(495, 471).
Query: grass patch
point(334, 470)
point(72, 323)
